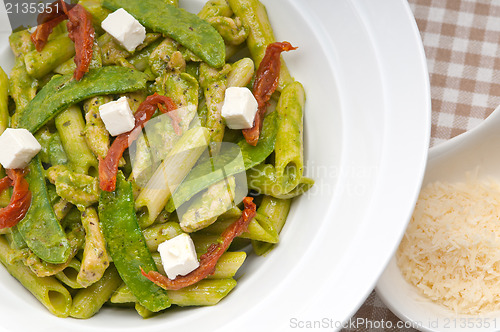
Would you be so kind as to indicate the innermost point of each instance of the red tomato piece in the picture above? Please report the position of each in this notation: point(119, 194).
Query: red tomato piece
point(266, 82)
point(19, 202)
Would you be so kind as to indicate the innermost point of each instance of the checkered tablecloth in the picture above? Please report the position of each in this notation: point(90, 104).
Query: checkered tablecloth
point(462, 43)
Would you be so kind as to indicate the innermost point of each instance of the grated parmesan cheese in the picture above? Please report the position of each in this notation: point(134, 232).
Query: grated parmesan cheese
point(451, 248)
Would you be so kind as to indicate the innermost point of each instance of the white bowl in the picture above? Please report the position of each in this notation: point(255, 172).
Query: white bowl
point(475, 151)
point(367, 125)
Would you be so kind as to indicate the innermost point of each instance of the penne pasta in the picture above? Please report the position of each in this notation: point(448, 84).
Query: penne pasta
point(172, 171)
point(54, 296)
point(254, 16)
point(88, 301)
point(71, 125)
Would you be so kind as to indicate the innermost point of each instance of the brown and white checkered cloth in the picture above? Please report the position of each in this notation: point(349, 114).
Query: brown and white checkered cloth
point(462, 43)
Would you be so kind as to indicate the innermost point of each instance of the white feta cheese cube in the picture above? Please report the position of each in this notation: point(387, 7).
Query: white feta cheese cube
point(17, 148)
point(125, 29)
point(239, 108)
point(117, 116)
point(178, 256)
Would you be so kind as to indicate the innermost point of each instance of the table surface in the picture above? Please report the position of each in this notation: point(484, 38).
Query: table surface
point(462, 42)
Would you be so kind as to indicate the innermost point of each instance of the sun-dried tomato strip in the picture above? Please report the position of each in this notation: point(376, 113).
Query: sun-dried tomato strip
point(80, 28)
point(108, 167)
point(19, 202)
point(81, 32)
point(210, 258)
point(5, 183)
point(47, 21)
point(266, 82)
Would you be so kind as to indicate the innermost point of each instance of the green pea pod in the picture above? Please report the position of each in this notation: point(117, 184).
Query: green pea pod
point(202, 175)
point(127, 245)
point(40, 228)
point(188, 29)
point(63, 91)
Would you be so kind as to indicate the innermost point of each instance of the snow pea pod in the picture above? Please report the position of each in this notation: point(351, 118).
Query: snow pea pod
point(127, 245)
point(40, 228)
point(186, 28)
point(62, 92)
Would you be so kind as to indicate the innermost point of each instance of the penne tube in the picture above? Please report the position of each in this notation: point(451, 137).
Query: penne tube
point(70, 125)
point(213, 8)
point(172, 171)
point(22, 86)
point(203, 293)
point(204, 210)
point(68, 275)
point(255, 229)
point(4, 100)
point(156, 234)
point(263, 180)
point(60, 49)
point(50, 292)
point(143, 311)
point(20, 42)
point(229, 263)
point(276, 210)
point(122, 295)
point(254, 16)
point(226, 267)
point(289, 155)
point(4, 123)
point(241, 73)
point(88, 301)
